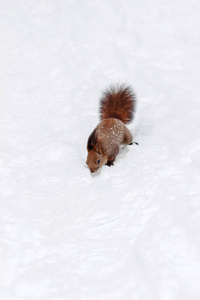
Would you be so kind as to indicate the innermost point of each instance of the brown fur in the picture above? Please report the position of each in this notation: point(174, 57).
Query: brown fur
point(118, 102)
point(117, 107)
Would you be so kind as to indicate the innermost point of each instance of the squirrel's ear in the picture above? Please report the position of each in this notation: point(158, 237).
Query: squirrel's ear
point(98, 149)
point(92, 140)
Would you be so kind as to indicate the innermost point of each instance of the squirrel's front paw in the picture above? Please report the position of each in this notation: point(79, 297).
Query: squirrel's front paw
point(110, 163)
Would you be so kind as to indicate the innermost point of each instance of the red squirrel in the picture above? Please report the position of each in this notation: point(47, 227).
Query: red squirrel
point(117, 108)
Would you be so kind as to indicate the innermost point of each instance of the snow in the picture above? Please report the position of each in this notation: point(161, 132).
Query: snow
point(131, 231)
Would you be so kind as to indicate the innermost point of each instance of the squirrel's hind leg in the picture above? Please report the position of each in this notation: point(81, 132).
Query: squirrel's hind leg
point(128, 139)
point(134, 143)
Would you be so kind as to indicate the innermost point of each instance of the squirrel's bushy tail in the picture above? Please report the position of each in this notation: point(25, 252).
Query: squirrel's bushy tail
point(118, 102)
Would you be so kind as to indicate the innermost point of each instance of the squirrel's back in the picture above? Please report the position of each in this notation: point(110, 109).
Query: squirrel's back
point(118, 102)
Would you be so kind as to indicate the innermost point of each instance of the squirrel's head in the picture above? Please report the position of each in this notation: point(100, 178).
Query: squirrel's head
point(95, 160)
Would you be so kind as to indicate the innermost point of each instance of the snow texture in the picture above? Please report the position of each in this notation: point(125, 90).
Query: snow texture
point(131, 231)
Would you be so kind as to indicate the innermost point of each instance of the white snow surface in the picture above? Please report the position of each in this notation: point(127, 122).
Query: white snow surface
point(131, 231)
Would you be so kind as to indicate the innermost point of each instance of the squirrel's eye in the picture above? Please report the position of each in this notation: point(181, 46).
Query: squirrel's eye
point(98, 161)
